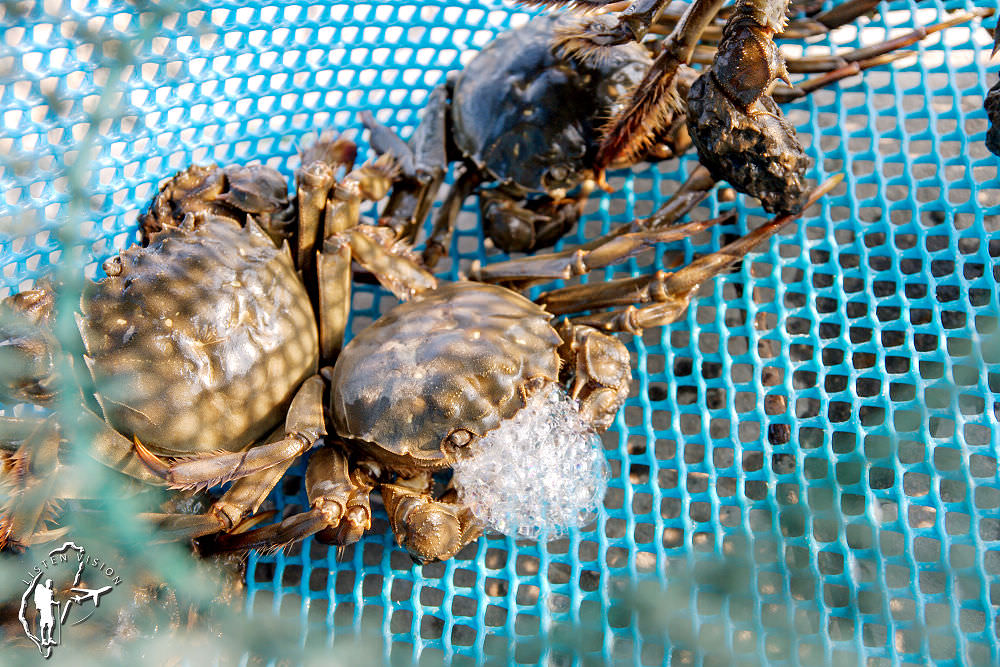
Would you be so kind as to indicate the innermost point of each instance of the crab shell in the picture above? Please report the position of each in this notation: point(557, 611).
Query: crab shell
point(457, 358)
point(198, 341)
point(531, 118)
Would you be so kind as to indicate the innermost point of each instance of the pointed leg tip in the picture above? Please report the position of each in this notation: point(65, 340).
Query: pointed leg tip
point(826, 187)
point(155, 464)
point(601, 179)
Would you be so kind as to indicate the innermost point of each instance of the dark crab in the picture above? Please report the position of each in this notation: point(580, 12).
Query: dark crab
point(523, 119)
point(730, 111)
point(203, 339)
point(992, 105)
point(443, 381)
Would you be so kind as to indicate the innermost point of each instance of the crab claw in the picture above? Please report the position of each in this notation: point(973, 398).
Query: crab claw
point(428, 529)
point(156, 465)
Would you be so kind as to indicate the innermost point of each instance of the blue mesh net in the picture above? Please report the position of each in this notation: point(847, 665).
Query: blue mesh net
point(806, 469)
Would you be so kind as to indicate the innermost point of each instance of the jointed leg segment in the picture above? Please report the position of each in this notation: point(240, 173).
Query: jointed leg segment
point(339, 507)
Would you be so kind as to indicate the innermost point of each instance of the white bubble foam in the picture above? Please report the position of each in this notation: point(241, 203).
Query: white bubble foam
point(539, 474)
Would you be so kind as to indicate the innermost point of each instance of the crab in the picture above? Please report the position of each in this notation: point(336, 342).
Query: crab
point(429, 387)
point(443, 381)
point(730, 113)
point(523, 119)
point(992, 106)
point(549, 106)
point(204, 338)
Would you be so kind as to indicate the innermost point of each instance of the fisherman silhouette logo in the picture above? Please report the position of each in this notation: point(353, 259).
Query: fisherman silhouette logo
point(46, 606)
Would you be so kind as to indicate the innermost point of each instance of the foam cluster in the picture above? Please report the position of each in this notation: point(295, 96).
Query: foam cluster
point(539, 474)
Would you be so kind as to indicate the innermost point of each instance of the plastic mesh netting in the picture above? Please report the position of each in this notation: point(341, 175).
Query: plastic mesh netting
point(806, 470)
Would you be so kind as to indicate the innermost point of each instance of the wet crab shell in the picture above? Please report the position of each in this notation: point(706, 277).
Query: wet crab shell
point(992, 106)
point(198, 341)
point(457, 358)
point(531, 118)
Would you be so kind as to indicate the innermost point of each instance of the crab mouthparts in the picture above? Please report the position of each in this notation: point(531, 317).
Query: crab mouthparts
point(539, 474)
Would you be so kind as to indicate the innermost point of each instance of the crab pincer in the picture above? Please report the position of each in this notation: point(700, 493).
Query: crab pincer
point(739, 131)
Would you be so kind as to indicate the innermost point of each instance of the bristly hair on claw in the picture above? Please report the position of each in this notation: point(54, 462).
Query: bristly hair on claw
point(770, 15)
point(386, 164)
point(162, 469)
point(575, 40)
point(14, 471)
point(654, 104)
point(331, 149)
point(649, 110)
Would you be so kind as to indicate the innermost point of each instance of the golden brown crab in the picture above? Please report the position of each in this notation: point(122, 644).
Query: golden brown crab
point(204, 339)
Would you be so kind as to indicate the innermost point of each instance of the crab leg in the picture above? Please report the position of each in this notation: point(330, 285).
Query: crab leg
point(339, 507)
point(785, 94)
point(13, 430)
point(333, 263)
point(313, 181)
point(634, 20)
point(303, 427)
point(820, 24)
point(581, 261)
point(678, 288)
point(444, 222)
point(845, 12)
point(828, 63)
point(692, 192)
point(619, 292)
point(423, 160)
point(327, 207)
point(333, 277)
point(376, 251)
point(113, 449)
point(31, 485)
point(242, 499)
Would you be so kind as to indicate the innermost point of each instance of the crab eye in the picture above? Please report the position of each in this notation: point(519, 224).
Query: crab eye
point(556, 176)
